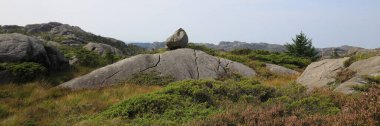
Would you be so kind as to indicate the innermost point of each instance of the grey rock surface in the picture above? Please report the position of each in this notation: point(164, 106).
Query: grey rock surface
point(178, 40)
point(181, 64)
point(369, 67)
point(320, 74)
point(21, 48)
point(102, 49)
point(280, 70)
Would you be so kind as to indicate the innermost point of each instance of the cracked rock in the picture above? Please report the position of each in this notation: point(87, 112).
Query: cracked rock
point(320, 74)
point(181, 64)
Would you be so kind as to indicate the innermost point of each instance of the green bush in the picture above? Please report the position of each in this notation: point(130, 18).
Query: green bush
point(151, 78)
point(372, 81)
point(282, 59)
point(313, 105)
point(85, 57)
point(357, 57)
point(3, 111)
point(25, 71)
point(202, 48)
point(182, 101)
point(246, 56)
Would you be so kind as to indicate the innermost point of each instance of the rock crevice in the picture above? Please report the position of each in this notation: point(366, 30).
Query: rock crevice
point(196, 64)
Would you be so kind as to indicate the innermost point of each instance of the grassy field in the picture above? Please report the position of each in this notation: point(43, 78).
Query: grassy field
point(35, 104)
point(147, 99)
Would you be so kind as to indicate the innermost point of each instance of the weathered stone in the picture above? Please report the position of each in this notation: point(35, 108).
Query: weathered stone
point(21, 48)
point(178, 40)
point(181, 64)
point(280, 70)
point(102, 49)
point(369, 67)
point(320, 74)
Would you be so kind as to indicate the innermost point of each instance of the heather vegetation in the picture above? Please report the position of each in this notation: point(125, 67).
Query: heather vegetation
point(150, 98)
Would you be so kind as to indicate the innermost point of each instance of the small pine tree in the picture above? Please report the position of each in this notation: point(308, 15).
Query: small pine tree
point(302, 47)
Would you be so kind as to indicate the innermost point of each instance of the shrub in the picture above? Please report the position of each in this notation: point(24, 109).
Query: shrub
point(242, 51)
point(246, 55)
point(372, 81)
point(357, 57)
point(3, 111)
point(313, 105)
point(282, 59)
point(182, 101)
point(344, 75)
point(202, 48)
point(25, 71)
point(151, 78)
point(85, 57)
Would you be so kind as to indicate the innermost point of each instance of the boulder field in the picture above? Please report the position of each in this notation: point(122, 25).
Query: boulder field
point(181, 64)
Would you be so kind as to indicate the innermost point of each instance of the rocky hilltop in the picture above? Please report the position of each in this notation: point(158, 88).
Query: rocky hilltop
point(181, 64)
point(325, 53)
point(66, 35)
point(338, 75)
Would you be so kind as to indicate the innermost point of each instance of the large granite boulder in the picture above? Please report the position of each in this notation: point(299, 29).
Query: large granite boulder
point(181, 64)
point(322, 73)
point(102, 49)
point(280, 70)
point(178, 40)
point(21, 48)
point(369, 67)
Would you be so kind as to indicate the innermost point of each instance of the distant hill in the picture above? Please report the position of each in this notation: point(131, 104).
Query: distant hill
point(344, 50)
point(224, 45)
point(150, 46)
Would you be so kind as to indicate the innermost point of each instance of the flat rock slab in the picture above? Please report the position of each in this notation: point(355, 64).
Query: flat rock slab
point(181, 64)
point(280, 70)
point(369, 67)
point(321, 73)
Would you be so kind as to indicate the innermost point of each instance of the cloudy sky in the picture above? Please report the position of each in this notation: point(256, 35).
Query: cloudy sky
point(327, 22)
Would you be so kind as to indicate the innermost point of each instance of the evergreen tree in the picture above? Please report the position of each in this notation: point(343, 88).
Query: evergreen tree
point(302, 47)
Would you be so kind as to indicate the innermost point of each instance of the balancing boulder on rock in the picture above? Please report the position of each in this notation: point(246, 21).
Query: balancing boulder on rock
point(178, 40)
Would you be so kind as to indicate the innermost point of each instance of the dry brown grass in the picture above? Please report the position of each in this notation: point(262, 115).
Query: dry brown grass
point(279, 80)
point(35, 104)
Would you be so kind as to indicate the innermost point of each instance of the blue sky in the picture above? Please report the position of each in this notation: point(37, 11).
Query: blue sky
point(327, 22)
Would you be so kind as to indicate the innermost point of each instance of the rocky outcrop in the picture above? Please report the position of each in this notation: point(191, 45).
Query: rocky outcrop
point(280, 70)
point(20, 48)
point(181, 64)
point(369, 67)
point(321, 73)
point(325, 73)
point(67, 35)
point(38, 28)
point(341, 51)
point(178, 40)
point(102, 49)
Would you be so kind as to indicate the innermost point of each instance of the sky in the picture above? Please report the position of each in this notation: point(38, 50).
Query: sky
point(328, 22)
